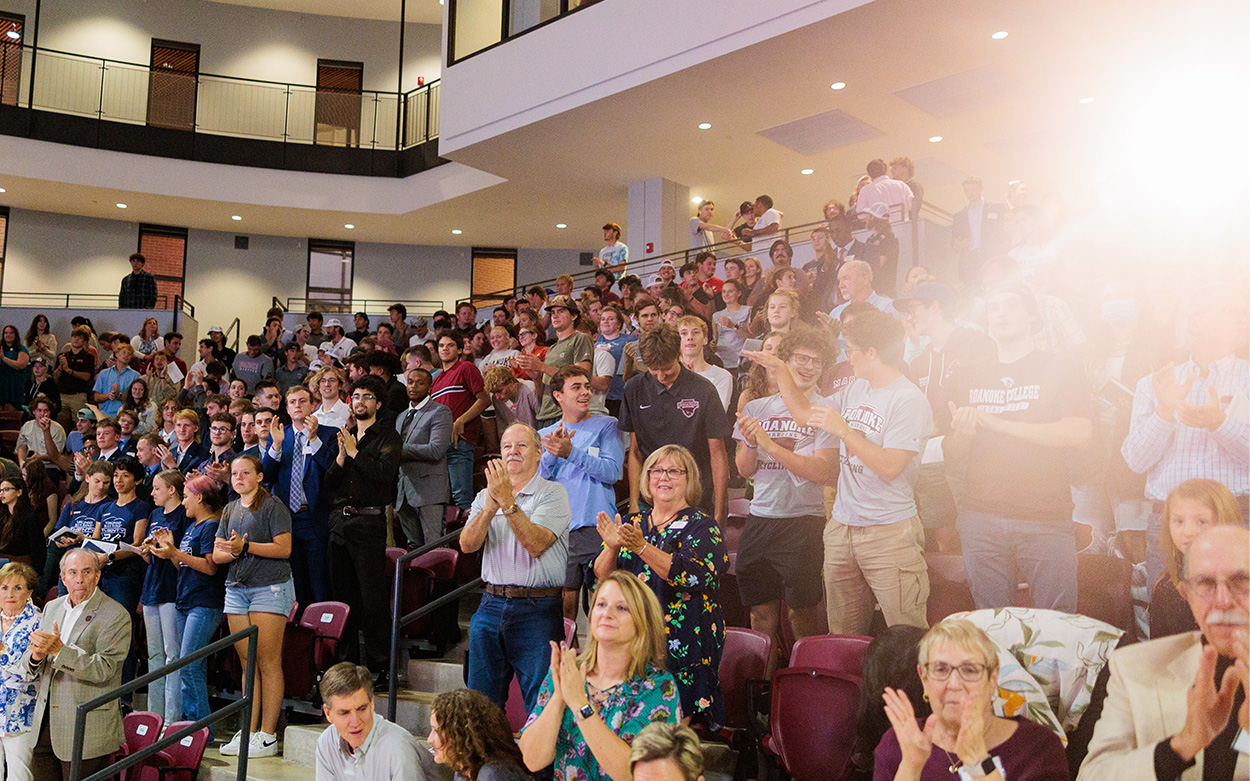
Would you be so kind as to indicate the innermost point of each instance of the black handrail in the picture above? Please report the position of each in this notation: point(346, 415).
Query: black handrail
point(235, 328)
point(370, 306)
point(399, 622)
point(250, 634)
point(91, 300)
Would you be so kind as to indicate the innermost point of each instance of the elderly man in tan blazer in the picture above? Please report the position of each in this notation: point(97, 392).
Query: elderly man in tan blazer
point(1176, 706)
point(77, 651)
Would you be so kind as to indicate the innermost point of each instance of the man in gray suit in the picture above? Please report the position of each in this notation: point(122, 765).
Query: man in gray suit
point(78, 651)
point(424, 487)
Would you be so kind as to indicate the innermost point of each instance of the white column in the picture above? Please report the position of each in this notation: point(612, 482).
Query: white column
point(659, 219)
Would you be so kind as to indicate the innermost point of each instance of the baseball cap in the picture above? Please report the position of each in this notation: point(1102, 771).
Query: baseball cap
point(325, 347)
point(654, 280)
point(565, 302)
point(878, 210)
point(420, 322)
point(39, 359)
point(86, 414)
point(664, 263)
point(216, 329)
point(334, 322)
point(932, 291)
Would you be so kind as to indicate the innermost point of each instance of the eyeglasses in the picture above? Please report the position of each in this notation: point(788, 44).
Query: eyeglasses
point(970, 672)
point(1204, 586)
point(656, 471)
point(802, 360)
point(220, 429)
point(5, 489)
point(364, 397)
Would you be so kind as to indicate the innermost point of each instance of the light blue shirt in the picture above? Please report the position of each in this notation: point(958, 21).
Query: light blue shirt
point(104, 383)
point(591, 470)
point(879, 301)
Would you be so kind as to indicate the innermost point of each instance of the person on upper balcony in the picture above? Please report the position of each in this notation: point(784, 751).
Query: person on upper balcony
point(138, 290)
point(896, 195)
point(614, 255)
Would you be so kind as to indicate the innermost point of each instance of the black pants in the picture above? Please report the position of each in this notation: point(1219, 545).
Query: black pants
point(357, 556)
point(47, 767)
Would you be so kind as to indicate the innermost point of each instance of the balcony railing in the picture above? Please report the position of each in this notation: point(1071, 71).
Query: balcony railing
point(478, 25)
point(127, 92)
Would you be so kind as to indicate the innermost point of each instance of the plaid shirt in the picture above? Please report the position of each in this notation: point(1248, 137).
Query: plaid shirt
point(138, 291)
point(1059, 332)
point(1170, 453)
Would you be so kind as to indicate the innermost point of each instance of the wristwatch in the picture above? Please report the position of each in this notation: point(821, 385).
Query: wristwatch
point(510, 509)
point(585, 712)
point(987, 766)
point(112, 557)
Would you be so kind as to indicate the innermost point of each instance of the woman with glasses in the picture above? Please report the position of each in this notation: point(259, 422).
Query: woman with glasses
point(959, 671)
point(1193, 506)
point(677, 550)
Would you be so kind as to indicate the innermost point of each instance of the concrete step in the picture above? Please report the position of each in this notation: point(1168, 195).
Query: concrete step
point(412, 711)
point(299, 743)
point(215, 767)
point(435, 675)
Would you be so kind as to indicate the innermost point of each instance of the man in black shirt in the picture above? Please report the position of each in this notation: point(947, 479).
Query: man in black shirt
point(362, 483)
point(138, 289)
point(671, 405)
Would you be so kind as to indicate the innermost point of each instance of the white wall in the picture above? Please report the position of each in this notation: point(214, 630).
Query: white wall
point(236, 40)
point(601, 50)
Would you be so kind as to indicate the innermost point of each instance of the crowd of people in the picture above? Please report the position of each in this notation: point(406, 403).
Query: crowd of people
point(1018, 414)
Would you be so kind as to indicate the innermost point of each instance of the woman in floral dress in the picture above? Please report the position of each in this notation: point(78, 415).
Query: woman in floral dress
point(678, 551)
point(18, 618)
point(590, 708)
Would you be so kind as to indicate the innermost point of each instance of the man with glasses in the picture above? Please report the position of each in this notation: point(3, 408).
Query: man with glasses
point(1176, 707)
point(361, 483)
point(780, 553)
point(220, 452)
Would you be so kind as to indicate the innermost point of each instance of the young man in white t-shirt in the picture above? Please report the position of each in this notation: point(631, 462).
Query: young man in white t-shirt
point(874, 543)
point(693, 331)
point(614, 254)
point(767, 219)
point(703, 232)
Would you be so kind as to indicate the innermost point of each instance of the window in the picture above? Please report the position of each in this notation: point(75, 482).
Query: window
point(338, 102)
point(11, 29)
point(171, 86)
point(494, 270)
point(330, 275)
point(165, 250)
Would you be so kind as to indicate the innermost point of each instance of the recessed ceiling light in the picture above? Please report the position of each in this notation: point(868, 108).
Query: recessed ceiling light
point(456, 231)
point(561, 225)
point(838, 85)
point(14, 34)
point(121, 206)
point(235, 217)
point(349, 226)
point(934, 139)
point(2, 190)
point(1085, 101)
point(705, 125)
point(808, 171)
point(998, 36)
point(696, 199)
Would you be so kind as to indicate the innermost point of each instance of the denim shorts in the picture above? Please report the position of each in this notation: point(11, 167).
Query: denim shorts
point(278, 598)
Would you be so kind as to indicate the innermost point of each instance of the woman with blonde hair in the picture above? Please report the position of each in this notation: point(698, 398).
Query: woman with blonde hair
point(759, 384)
point(677, 550)
point(591, 706)
point(18, 690)
point(471, 735)
point(149, 339)
point(1192, 507)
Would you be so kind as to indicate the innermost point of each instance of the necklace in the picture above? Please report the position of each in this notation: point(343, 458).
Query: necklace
point(13, 617)
point(955, 764)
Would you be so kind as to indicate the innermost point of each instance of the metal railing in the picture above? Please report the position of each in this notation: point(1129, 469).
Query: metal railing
point(234, 328)
point(87, 301)
point(478, 25)
point(243, 705)
point(398, 622)
point(370, 306)
point(133, 93)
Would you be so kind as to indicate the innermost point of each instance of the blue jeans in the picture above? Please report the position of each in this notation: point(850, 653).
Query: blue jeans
point(460, 470)
point(164, 644)
point(999, 551)
point(309, 538)
point(509, 636)
point(196, 626)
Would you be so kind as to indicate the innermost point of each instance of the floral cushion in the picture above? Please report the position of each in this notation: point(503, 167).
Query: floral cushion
point(1048, 662)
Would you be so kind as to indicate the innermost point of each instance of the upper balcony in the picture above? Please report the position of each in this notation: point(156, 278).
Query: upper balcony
point(175, 112)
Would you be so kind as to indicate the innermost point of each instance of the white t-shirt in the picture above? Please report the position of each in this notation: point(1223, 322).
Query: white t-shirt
point(614, 254)
point(779, 493)
point(32, 437)
point(896, 416)
point(728, 343)
point(604, 365)
point(723, 380)
point(335, 417)
point(768, 218)
point(699, 239)
point(342, 349)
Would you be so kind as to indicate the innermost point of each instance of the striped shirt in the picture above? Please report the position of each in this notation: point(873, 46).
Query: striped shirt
point(457, 387)
point(1169, 453)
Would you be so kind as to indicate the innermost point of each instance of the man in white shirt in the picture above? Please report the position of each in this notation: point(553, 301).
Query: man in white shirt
point(693, 332)
point(340, 345)
point(360, 744)
point(42, 438)
point(855, 284)
point(703, 232)
point(767, 219)
point(614, 254)
point(896, 195)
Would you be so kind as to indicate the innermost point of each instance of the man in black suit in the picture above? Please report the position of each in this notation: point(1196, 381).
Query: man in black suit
point(424, 487)
point(186, 453)
point(977, 231)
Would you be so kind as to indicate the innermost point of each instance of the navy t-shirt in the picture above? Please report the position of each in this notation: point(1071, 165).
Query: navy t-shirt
point(160, 583)
point(195, 589)
point(81, 516)
point(117, 524)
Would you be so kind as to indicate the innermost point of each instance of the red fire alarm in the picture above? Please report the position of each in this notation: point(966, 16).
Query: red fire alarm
point(420, 81)
point(650, 247)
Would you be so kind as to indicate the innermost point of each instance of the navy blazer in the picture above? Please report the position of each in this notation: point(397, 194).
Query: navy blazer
point(278, 473)
point(192, 458)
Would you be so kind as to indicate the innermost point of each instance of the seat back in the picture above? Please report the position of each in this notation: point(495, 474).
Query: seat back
point(327, 620)
point(840, 653)
point(184, 757)
point(745, 657)
point(297, 660)
point(812, 722)
point(1104, 590)
point(441, 562)
point(142, 729)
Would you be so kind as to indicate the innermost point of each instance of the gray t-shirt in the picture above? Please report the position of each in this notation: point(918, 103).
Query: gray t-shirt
point(260, 525)
point(505, 562)
point(897, 417)
point(574, 348)
point(780, 493)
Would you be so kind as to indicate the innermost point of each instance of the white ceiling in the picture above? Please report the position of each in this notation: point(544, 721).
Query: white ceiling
point(424, 11)
point(1008, 110)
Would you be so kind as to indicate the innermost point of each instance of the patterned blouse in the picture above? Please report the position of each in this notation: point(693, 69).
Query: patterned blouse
point(17, 685)
point(626, 708)
point(692, 614)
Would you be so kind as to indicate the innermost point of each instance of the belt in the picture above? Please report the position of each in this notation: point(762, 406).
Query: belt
point(523, 592)
point(303, 508)
point(350, 510)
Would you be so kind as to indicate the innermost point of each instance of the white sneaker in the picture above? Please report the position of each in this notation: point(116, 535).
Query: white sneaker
point(231, 749)
point(262, 744)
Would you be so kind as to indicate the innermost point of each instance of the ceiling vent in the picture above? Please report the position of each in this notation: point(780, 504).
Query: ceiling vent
point(821, 132)
point(960, 93)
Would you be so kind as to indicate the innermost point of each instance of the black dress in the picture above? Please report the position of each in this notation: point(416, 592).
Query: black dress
point(1169, 612)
